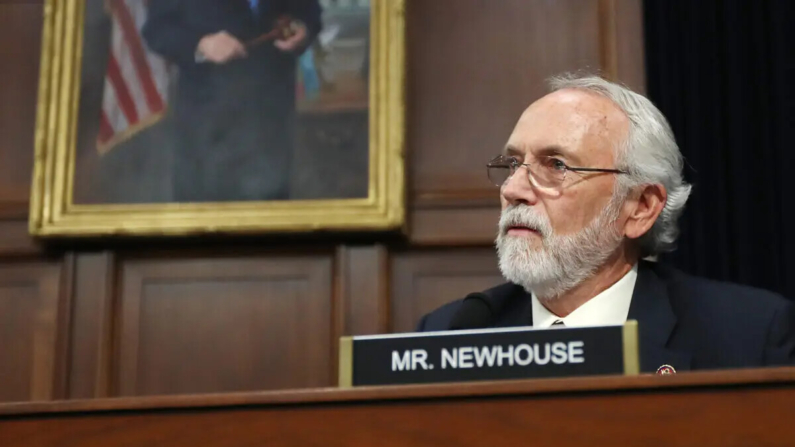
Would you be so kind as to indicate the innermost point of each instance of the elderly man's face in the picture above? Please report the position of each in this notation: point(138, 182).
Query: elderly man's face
point(581, 129)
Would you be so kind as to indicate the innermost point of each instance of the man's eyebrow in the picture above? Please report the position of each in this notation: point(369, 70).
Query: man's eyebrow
point(556, 151)
point(512, 150)
point(552, 150)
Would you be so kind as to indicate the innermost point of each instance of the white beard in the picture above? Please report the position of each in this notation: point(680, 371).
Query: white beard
point(562, 262)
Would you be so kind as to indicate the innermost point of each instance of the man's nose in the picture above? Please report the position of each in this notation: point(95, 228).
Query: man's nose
point(518, 190)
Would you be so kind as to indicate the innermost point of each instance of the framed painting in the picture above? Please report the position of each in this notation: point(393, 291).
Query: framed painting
point(175, 117)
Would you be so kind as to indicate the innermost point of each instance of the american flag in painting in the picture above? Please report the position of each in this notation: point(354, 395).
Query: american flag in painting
point(136, 81)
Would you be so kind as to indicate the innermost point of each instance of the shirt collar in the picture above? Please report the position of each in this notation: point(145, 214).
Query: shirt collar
point(610, 307)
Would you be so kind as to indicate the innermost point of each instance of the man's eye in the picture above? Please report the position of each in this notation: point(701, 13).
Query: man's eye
point(513, 161)
point(555, 164)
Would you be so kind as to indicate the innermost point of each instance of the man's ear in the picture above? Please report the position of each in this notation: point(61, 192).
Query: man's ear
point(644, 210)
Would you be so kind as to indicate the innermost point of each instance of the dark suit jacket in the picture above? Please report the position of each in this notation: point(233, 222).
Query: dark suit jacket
point(233, 122)
point(683, 321)
point(174, 28)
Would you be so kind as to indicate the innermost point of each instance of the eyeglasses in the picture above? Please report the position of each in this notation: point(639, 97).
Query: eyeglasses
point(545, 172)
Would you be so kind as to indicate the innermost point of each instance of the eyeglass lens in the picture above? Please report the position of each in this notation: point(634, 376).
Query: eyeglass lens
point(540, 173)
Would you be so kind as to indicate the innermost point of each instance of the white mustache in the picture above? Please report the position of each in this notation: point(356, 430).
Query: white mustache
point(524, 216)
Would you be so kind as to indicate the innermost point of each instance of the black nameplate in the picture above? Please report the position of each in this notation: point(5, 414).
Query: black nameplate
point(490, 354)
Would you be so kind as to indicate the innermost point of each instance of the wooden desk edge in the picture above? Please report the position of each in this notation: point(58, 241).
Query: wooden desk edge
point(529, 387)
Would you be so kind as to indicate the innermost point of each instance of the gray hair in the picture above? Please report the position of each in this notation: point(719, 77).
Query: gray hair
point(650, 155)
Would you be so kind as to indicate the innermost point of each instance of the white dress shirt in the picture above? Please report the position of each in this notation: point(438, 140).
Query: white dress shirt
point(610, 307)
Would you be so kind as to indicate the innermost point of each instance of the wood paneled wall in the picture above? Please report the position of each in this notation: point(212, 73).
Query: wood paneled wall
point(33, 306)
point(104, 320)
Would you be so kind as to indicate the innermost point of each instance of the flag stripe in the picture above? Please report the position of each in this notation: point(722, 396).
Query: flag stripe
point(110, 105)
point(136, 81)
point(138, 57)
point(105, 129)
point(129, 75)
point(126, 101)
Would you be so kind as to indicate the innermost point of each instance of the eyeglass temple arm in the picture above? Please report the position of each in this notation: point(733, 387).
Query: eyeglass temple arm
point(575, 169)
point(614, 171)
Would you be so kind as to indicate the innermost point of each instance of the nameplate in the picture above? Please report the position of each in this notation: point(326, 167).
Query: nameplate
point(488, 354)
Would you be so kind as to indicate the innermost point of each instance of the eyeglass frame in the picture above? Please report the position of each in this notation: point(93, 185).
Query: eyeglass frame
point(515, 165)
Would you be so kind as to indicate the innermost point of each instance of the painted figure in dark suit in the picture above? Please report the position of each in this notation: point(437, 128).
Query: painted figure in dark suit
point(591, 187)
point(234, 109)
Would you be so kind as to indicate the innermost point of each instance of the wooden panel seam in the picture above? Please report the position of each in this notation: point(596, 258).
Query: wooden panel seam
point(103, 386)
point(66, 297)
point(340, 267)
point(607, 39)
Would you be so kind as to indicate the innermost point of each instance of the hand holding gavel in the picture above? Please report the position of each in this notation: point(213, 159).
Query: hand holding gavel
point(222, 47)
point(288, 35)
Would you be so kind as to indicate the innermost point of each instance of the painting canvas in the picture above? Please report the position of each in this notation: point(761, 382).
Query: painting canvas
point(177, 117)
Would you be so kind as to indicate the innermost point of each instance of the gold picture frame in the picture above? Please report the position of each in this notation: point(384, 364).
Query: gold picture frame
point(53, 212)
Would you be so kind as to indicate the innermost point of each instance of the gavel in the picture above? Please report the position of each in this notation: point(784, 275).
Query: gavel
point(283, 29)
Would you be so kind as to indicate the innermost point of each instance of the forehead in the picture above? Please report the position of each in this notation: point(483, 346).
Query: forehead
point(582, 124)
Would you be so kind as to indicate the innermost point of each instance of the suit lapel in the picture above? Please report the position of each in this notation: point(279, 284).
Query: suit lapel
point(514, 304)
point(651, 307)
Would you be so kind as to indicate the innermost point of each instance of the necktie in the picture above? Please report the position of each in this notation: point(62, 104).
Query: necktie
point(254, 4)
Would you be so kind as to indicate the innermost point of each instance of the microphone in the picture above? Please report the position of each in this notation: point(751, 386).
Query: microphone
point(476, 312)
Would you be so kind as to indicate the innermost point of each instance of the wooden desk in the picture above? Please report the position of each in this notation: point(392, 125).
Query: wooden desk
point(746, 408)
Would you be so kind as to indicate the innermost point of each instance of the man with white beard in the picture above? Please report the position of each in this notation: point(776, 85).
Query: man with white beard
point(591, 188)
